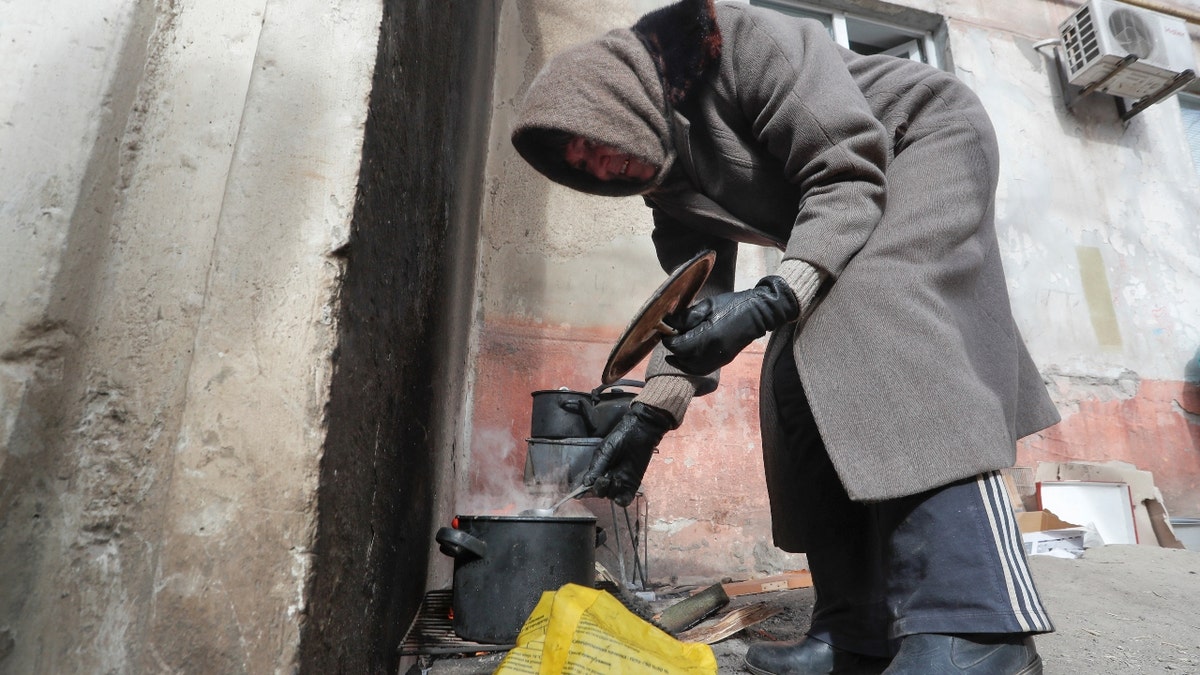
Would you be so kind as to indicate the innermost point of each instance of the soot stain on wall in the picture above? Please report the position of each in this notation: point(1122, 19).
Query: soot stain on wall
point(400, 319)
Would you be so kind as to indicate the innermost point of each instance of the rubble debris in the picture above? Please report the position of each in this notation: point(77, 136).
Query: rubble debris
point(730, 623)
point(1149, 513)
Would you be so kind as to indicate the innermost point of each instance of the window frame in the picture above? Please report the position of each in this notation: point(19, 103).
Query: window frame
point(841, 19)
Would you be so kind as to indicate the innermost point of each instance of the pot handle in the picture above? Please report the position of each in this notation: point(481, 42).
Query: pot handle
point(619, 383)
point(601, 537)
point(583, 408)
point(457, 544)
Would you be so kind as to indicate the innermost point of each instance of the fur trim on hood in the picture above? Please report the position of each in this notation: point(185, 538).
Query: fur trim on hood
point(684, 41)
point(618, 90)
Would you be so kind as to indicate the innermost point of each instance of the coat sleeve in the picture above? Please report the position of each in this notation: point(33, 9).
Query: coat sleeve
point(792, 84)
point(675, 244)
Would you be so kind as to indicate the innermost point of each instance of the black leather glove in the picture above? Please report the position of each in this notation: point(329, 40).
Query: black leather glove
point(622, 457)
point(714, 330)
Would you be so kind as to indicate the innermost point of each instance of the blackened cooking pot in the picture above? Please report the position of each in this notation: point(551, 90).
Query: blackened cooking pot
point(564, 413)
point(502, 564)
point(560, 413)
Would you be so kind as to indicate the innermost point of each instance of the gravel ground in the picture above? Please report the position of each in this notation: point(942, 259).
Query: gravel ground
point(1118, 609)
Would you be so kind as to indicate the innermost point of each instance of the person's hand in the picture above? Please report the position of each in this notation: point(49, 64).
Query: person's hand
point(622, 457)
point(714, 330)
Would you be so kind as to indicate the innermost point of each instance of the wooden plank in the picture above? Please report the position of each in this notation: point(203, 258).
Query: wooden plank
point(778, 582)
point(730, 623)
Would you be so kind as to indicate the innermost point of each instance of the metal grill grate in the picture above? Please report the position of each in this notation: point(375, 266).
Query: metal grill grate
point(432, 631)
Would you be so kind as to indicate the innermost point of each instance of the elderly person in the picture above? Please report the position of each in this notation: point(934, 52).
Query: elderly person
point(895, 384)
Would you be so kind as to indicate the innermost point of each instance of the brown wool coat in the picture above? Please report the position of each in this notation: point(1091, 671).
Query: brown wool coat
point(881, 172)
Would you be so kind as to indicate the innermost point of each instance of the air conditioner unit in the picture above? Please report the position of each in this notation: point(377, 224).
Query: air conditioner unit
point(1098, 36)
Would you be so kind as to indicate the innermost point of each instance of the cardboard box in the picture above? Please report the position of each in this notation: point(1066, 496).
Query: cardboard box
point(1068, 541)
point(1043, 532)
point(1040, 521)
point(1103, 506)
point(1149, 516)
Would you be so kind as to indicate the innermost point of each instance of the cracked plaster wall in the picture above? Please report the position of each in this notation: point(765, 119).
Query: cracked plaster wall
point(1097, 225)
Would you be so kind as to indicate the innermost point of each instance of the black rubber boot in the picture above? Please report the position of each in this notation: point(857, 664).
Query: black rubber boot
point(808, 657)
point(975, 654)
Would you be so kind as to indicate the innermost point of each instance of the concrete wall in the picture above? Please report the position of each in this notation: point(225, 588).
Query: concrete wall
point(1097, 228)
point(1098, 225)
point(178, 177)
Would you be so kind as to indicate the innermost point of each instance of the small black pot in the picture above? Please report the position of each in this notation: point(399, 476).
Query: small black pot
point(560, 413)
point(563, 413)
point(609, 405)
point(502, 564)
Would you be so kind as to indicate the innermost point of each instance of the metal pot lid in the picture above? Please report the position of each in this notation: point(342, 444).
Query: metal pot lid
point(647, 327)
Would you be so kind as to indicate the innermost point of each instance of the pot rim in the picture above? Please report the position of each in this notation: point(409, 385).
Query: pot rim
point(573, 440)
point(561, 391)
point(527, 519)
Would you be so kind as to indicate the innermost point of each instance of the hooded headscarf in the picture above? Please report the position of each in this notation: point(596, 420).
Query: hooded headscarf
point(608, 91)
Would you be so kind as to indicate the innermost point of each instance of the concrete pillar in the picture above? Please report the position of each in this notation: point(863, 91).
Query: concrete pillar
point(185, 172)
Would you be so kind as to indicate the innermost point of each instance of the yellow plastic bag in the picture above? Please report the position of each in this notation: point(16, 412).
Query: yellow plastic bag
point(585, 631)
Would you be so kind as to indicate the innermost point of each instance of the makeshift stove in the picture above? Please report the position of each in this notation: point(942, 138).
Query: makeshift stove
point(566, 428)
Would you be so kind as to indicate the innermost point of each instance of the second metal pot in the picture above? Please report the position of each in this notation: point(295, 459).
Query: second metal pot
point(560, 413)
point(556, 463)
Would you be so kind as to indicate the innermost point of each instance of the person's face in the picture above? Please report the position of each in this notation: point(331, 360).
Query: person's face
point(606, 163)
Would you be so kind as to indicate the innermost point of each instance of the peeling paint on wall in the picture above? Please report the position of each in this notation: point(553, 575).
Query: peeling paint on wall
point(1098, 296)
